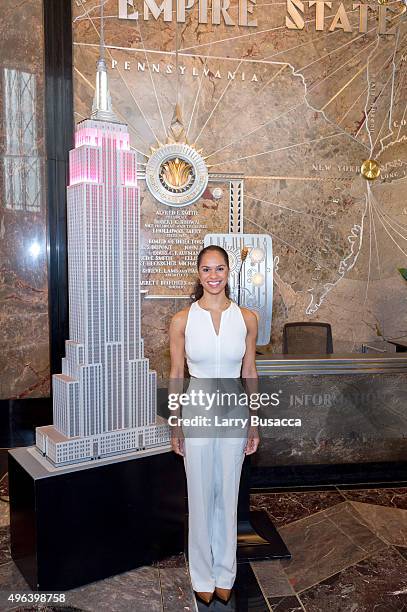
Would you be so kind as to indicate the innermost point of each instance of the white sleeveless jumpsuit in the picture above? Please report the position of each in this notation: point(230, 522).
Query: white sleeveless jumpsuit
point(213, 464)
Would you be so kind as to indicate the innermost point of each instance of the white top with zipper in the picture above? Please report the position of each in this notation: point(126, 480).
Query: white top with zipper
point(212, 355)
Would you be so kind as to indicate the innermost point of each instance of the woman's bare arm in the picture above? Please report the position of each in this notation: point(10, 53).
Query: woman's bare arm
point(175, 384)
point(249, 359)
point(249, 372)
point(177, 343)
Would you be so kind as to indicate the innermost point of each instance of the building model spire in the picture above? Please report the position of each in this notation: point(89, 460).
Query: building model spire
point(102, 102)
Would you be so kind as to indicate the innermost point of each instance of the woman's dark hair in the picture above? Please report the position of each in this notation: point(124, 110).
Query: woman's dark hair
point(198, 289)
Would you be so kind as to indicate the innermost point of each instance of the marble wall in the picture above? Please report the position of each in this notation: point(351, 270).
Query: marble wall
point(295, 113)
point(24, 354)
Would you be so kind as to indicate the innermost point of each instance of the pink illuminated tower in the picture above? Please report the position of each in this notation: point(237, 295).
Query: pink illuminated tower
point(105, 399)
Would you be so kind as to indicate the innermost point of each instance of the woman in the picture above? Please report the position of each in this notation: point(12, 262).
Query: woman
point(218, 339)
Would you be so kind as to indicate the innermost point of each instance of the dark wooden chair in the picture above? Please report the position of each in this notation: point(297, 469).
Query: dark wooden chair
point(307, 338)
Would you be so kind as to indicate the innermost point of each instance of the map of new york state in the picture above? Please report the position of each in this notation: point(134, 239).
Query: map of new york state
point(292, 111)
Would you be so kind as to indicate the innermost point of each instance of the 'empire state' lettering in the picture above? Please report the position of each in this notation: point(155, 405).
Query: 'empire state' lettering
point(340, 21)
point(218, 9)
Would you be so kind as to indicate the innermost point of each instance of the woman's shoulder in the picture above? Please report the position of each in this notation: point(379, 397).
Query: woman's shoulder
point(251, 317)
point(179, 320)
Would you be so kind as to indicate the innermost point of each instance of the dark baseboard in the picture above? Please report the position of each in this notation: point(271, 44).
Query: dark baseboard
point(305, 477)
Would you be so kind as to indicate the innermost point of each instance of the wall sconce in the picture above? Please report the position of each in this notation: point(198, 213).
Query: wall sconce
point(258, 279)
point(257, 255)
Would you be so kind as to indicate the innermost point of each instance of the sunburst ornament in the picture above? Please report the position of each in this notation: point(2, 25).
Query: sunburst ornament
point(176, 172)
point(177, 175)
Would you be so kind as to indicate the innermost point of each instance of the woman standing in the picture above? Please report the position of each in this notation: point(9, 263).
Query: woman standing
point(218, 339)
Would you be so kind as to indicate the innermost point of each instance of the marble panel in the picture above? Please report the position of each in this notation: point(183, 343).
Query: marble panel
point(389, 524)
point(137, 590)
point(272, 578)
point(4, 504)
point(176, 561)
point(156, 316)
point(396, 498)
point(24, 360)
point(285, 604)
point(325, 543)
point(287, 507)
point(11, 579)
point(21, 35)
point(3, 463)
point(347, 520)
point(5, 554)
point(4, 514)
point(4, 485)
point(402, 551)
point(376, 583)
point(176, 590)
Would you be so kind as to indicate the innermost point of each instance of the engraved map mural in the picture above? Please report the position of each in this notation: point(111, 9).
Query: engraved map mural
point(292, 103)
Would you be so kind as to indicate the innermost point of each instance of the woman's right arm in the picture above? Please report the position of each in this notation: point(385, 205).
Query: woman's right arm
point(177, 344)
point(175, 384)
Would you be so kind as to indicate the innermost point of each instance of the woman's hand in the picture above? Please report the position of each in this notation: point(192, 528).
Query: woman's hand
point(253, 441)
point(177, 442)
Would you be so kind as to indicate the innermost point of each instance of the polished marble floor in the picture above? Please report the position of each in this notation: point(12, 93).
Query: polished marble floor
point(349, 554)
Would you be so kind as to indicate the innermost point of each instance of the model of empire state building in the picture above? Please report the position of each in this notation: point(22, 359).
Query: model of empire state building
point(104, 402)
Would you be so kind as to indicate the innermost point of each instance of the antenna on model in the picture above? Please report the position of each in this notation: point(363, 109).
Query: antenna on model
point(102, 31)
point(102, 102)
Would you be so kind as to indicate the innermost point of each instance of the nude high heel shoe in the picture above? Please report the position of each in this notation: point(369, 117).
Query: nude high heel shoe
point(204, 596)
point(223, 594)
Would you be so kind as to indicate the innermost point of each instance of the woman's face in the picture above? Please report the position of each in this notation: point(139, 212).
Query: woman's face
point(213, 272)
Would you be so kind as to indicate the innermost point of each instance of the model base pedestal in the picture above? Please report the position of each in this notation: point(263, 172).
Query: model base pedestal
point(82, 524)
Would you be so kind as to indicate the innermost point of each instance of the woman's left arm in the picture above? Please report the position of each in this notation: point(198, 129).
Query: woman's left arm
point(249, 373)
point(249, 360)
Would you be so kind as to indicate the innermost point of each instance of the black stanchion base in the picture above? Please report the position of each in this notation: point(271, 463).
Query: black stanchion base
point(258, 539)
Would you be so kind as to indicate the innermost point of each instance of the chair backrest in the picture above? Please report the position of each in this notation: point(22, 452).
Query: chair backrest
point(307, 338)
